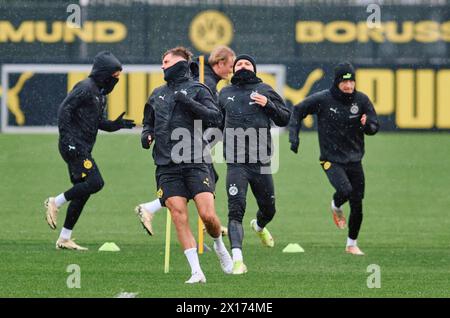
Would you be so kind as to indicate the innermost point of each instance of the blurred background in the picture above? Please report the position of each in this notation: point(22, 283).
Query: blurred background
point(400, 47)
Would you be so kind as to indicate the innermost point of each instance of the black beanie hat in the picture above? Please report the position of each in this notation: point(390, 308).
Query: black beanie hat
point(344, 71)
point(245, 57)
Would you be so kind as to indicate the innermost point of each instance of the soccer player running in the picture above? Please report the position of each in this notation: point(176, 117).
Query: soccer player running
point(80, 116)
point(344, 116)
point(219, 66)
point(171, 111)
point(249, 106)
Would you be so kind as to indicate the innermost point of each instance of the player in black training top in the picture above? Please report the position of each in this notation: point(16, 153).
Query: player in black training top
point(344, 116)
point(80, 116)
point(218, 67)
point(249, 107)
point(174, 116)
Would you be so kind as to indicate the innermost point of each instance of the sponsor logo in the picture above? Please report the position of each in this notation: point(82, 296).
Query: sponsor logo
point(347, 76)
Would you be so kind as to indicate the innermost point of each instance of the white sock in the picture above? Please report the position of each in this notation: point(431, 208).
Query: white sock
point(65, 233)
point(218, 241)
point(334, 206)
point(257, 228)
point(237, 254)
point(351, 242)
point(153, 206)
point(60, 200)
point(192, 257)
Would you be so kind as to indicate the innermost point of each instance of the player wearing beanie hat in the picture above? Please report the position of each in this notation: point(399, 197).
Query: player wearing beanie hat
point(344, 116)
point(344, 71)
point(245, 57)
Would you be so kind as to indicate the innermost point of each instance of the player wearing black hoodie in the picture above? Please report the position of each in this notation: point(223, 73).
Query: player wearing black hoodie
point(80, 116)
point(344, 116)
point(174, 115)
point(249, 107)
point(218, 67)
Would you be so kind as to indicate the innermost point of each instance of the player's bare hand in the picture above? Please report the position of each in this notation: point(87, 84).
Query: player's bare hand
point(261, 100)
point(363, 119)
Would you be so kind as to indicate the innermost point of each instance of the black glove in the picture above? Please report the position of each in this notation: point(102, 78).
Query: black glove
point(179, 97)
point(124, 123)
point(144, 140)
point(294, 146)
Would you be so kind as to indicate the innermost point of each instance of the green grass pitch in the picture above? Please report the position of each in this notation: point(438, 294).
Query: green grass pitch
point(405, 230)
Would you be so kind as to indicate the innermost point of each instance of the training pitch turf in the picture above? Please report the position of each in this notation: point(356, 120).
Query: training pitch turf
point(405, 230)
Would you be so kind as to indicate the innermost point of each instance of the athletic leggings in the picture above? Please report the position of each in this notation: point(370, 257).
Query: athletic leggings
point(348, 181)
point(239, 176)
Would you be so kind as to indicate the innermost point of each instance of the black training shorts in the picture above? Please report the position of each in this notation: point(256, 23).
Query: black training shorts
point(185, 180)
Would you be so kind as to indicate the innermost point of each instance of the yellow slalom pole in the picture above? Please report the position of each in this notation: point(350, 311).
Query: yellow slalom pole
point(167, 251)
point(200, 222)
point(201, 77)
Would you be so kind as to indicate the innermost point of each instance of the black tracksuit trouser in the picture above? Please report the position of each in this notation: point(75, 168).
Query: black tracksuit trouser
point(239, 176)
point(86, 179)
point(348, 181)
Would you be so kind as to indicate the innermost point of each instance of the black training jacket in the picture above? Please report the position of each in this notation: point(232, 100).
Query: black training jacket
point(162, 115)
point(211, 78)
point(242, 115)
point(341, 134)
point(81, 113)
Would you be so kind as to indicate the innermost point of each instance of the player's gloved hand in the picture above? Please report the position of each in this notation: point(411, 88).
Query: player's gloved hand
point(294, 146)
point(124, 123)
point(146, 140)
point(181, 97)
